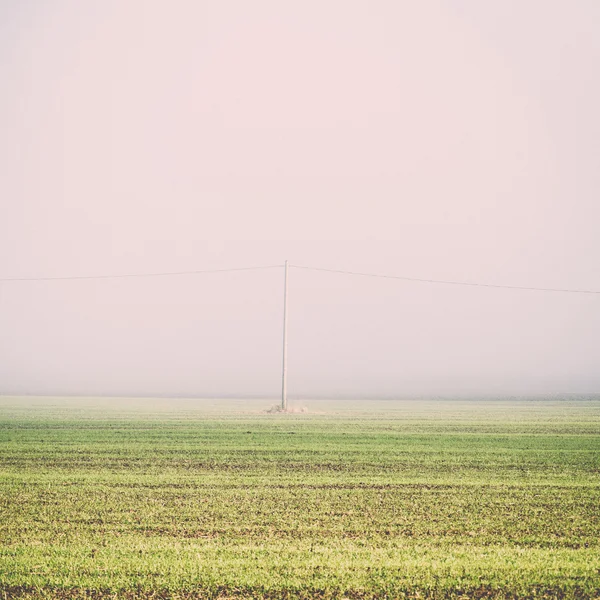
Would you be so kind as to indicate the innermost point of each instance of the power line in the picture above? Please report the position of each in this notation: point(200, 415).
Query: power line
point(304, 267)
point(131, 275)
point(447, 282)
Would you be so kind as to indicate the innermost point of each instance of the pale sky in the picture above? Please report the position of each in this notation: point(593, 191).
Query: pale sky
point(437, 139)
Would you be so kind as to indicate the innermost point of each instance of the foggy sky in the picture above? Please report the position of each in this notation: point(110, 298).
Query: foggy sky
point(447, 139)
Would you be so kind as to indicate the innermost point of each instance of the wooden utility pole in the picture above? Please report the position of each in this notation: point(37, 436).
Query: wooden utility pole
point(285, 324)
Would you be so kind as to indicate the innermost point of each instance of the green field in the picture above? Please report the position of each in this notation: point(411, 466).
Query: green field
point(371, 499)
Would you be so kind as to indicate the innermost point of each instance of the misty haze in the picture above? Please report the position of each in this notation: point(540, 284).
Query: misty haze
point(299, 299)
point(435, 140)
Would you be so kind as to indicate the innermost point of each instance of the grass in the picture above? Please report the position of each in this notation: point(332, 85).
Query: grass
point(183, 499)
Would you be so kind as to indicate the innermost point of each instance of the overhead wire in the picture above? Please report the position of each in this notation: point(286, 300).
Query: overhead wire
point(303, 267)
point(137, 275)
point(447, 281)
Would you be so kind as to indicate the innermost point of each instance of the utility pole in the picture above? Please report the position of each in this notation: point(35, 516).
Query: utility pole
point(285, 324)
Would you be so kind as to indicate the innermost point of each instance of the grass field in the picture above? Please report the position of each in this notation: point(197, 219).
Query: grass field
point(189, 499)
